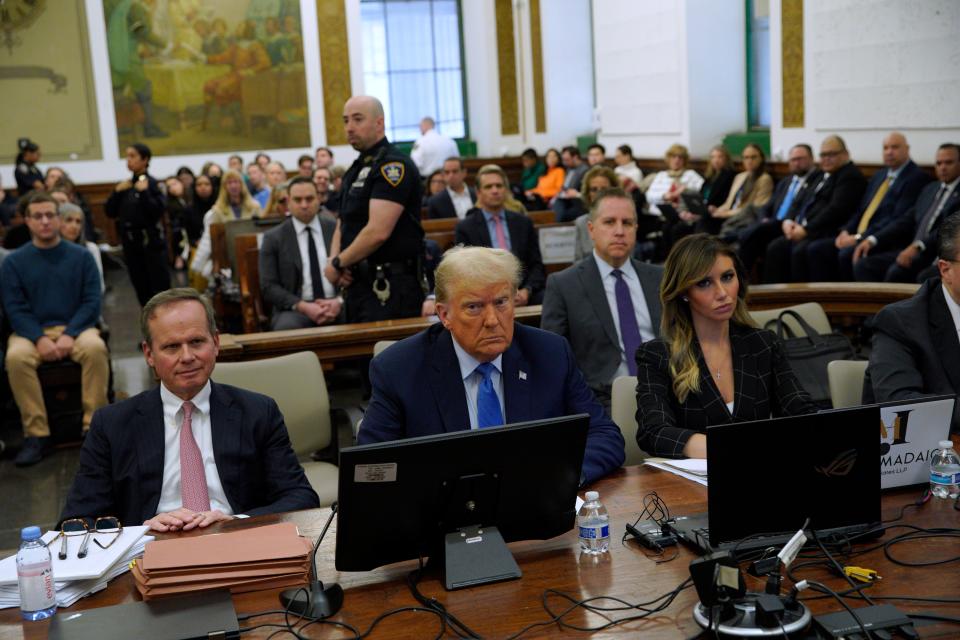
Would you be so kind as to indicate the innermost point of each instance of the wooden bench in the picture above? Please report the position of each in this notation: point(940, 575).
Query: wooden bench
point(843, 302)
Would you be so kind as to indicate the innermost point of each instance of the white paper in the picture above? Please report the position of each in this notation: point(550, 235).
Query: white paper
point(696, 466)
point(672, 467)
point(95, 565)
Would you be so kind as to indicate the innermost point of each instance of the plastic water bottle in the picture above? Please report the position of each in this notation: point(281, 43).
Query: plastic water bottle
point(594, 525)
point(945, 472)
point(38, 596)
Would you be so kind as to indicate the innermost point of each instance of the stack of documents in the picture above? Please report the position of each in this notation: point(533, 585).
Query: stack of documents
point(78, 577)
point(269, 557)
point(690, 468)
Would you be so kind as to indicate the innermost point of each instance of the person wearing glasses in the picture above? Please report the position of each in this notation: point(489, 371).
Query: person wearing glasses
point(189, 452)
point(826, 206)
point(51, 294)
point(291, 264)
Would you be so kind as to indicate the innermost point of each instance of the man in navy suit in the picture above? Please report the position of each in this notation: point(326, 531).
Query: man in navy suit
point(477, 368)
point(907, 246)
point(191, 452)
point(491, 225)
point(458, 198)
point(889, 196)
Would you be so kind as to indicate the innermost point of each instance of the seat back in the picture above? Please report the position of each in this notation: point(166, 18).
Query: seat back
point(380, 345)
point(846, 382)
point(812, 312)
point(623, 410)
point(296, 382)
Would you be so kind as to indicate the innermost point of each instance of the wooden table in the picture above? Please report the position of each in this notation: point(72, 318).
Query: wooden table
point(498, 610)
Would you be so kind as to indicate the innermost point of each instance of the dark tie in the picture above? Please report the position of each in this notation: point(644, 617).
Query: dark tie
point(314, 265)
point(791, 193)
point(488, 404)
point(629, 331)
point(930, 217)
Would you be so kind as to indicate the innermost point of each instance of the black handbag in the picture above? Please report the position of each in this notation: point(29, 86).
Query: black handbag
point(810, 354)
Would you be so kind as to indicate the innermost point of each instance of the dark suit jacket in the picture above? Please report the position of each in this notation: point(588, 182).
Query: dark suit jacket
point(576, 307)
point(281, 268)
point(900, 233)
point(828, 202)
point(418, 391)
point(915, 349)
point(472, 231)
point(121, 463)
point(896, 202)
point(764, 385)
point(441, 204)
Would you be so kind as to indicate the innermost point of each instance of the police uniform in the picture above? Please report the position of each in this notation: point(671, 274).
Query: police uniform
point(139, 216)
point(388, 283)
point(25, 175)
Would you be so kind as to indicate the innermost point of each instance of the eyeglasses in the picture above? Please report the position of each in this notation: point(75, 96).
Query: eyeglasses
point(76, 527)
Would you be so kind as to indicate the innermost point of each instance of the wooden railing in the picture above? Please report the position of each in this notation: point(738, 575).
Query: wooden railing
point(843, 302)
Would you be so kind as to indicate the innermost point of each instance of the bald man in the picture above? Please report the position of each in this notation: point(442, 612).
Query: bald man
point(890, 195)
point(376, 251)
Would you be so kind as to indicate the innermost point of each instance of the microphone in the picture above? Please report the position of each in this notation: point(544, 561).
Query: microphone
point(316, 601)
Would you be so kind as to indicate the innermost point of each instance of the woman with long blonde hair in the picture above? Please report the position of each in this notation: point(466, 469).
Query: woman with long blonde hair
point(711, 364)
point(233, 203)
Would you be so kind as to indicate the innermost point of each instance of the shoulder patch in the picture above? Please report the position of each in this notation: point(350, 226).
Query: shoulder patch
point(392, 172)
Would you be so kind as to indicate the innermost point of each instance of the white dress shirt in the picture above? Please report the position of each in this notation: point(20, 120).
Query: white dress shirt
point(689, 180)
point(472, 379)
point(462, 202)
point(640, 310)
point(170, 496)
point(954, 309)
point(431, 149)
point(307, 292)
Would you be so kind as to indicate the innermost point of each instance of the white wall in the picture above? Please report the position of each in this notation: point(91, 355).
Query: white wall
point(872, 66)
point(669, 72)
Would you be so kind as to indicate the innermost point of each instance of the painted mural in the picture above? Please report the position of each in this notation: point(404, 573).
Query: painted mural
point(199, 76)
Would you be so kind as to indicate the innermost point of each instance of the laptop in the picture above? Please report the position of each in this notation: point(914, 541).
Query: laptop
point(909, 434)
point(767, 477)
point(695, 203)
point(208, 614)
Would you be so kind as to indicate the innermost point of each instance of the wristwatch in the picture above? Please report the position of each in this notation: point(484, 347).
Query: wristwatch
point(336, 263)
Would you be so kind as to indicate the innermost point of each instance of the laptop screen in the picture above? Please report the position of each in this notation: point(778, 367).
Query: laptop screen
point(769, 476)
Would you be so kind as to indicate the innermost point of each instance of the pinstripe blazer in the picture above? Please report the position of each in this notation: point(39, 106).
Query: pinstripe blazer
point(764, 385)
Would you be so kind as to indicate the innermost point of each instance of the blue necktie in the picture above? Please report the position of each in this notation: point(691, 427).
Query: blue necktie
point(488, 404)
point(785, 206)
point(629, 331)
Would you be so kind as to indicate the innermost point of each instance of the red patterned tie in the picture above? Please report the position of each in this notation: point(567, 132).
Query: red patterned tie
point(193, 480)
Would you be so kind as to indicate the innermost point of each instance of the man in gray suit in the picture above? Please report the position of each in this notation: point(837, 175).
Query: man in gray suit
point(608, 303)
point(291, 264)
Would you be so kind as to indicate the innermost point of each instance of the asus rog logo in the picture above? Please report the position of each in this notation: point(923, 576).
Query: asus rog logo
point(841, 466)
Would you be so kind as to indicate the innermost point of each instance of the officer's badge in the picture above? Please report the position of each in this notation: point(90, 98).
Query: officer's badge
point(392, 172)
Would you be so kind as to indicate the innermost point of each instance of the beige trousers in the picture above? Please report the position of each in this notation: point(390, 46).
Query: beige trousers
point(89, 351)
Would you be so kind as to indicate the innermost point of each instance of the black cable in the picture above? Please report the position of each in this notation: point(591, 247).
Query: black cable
point(922, 500)
point(432, 604)
point(930, 616)
point(837, 567)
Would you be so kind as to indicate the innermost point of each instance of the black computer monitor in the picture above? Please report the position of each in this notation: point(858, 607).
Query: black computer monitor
point(462, 494)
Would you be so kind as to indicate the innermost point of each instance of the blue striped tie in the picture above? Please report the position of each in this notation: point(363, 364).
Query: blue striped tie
point(488, 404)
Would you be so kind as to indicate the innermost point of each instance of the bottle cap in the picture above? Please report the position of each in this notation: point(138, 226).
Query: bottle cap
point(592, 495)
point(946, 444)
point(28, 534)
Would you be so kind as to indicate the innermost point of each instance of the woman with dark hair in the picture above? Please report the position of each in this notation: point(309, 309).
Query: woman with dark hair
point(711, 364)
point(435, 184)
point(187, 178)
point(752, 188)
point(549, 184)
point(26, 173)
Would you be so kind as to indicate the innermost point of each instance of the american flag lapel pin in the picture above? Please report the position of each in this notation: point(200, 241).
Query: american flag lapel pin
point(523, 375)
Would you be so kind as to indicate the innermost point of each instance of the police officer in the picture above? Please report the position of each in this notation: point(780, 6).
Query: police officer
point(377, 247)
point(26, 173)
point(138, 206)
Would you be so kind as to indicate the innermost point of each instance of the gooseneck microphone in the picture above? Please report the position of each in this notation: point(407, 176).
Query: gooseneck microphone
point(316, 601)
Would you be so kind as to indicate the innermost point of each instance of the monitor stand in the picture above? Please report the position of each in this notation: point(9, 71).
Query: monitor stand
point(476, 555)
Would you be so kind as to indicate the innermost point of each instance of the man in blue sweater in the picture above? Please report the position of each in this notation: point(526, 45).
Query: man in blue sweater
point(51, 293)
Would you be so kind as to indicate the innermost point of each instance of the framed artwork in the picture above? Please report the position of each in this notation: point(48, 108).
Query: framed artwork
point(47, 80)
point(200, 76)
